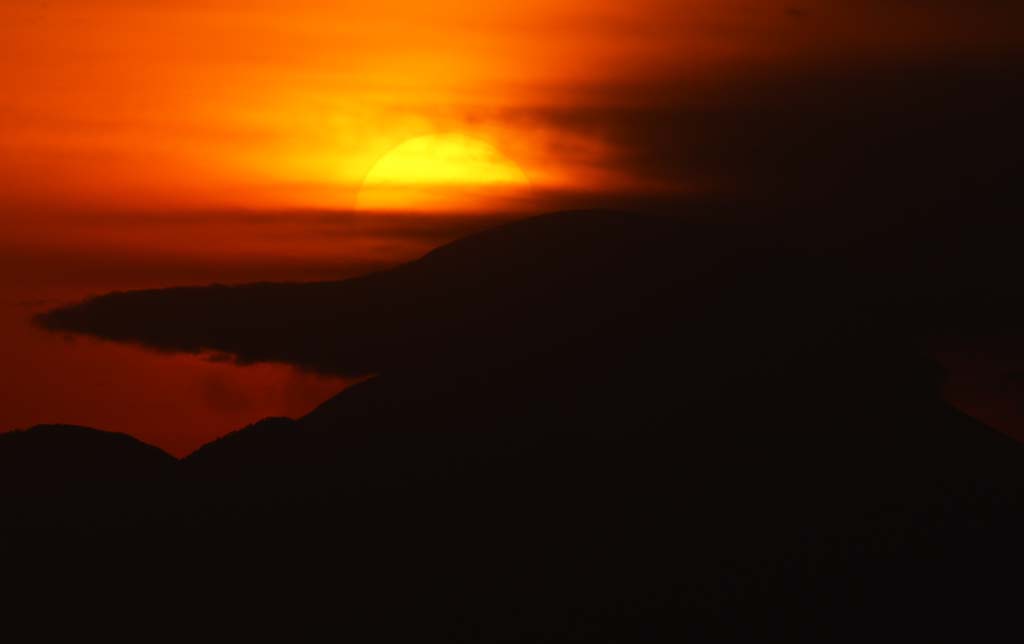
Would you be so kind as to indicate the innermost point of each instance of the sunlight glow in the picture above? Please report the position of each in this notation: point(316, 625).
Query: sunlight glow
point(443, 173)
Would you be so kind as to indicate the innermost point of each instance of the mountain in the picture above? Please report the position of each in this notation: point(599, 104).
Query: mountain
point(50, 457)
point(599, 427)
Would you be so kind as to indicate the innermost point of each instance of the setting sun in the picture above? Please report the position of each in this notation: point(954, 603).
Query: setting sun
point(443, 172)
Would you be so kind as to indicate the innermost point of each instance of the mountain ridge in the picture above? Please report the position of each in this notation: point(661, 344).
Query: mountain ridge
point(650, 425)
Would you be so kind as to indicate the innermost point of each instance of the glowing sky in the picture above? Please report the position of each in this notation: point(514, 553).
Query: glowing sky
point(221, 120)
point(116, 104)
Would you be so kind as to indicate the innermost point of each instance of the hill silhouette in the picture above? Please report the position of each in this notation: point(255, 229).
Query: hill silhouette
point(53, 456)
point(598, 427)
point(525, 285)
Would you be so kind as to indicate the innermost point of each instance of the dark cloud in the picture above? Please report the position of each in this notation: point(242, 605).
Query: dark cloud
point(909, 134)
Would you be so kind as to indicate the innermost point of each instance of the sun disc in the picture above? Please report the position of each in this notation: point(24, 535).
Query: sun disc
point(442, 173)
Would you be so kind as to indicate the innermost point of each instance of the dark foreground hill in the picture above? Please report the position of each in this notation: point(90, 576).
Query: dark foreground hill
point(587, 427)
point(47, 457)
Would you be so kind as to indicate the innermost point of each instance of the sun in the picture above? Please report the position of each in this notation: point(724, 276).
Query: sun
point(443, 173)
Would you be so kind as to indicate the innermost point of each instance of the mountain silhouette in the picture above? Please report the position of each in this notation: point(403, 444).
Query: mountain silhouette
point(596, 427)
point(530, 284)
point(51, 456)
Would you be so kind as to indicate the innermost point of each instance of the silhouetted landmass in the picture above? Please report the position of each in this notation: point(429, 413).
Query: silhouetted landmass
point(253, 450)
point(527, 285)
point(47, 457)
point(477, 290)
point(599, 427)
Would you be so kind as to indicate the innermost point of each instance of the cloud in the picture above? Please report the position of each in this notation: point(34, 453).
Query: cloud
point(926, 134)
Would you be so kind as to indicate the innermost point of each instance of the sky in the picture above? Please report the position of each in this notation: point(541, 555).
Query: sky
point(169, 142)
point(121, 106)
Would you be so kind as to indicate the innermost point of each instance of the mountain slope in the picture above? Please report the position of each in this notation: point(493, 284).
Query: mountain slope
point(52, 456)
point(599, 427)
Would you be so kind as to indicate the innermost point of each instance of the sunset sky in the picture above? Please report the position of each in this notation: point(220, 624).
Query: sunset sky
point(116, 106)
point(156, 144)
point(437, 316)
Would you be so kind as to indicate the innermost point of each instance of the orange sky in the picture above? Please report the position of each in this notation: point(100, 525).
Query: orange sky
point(242, 127)
point(124, 105)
